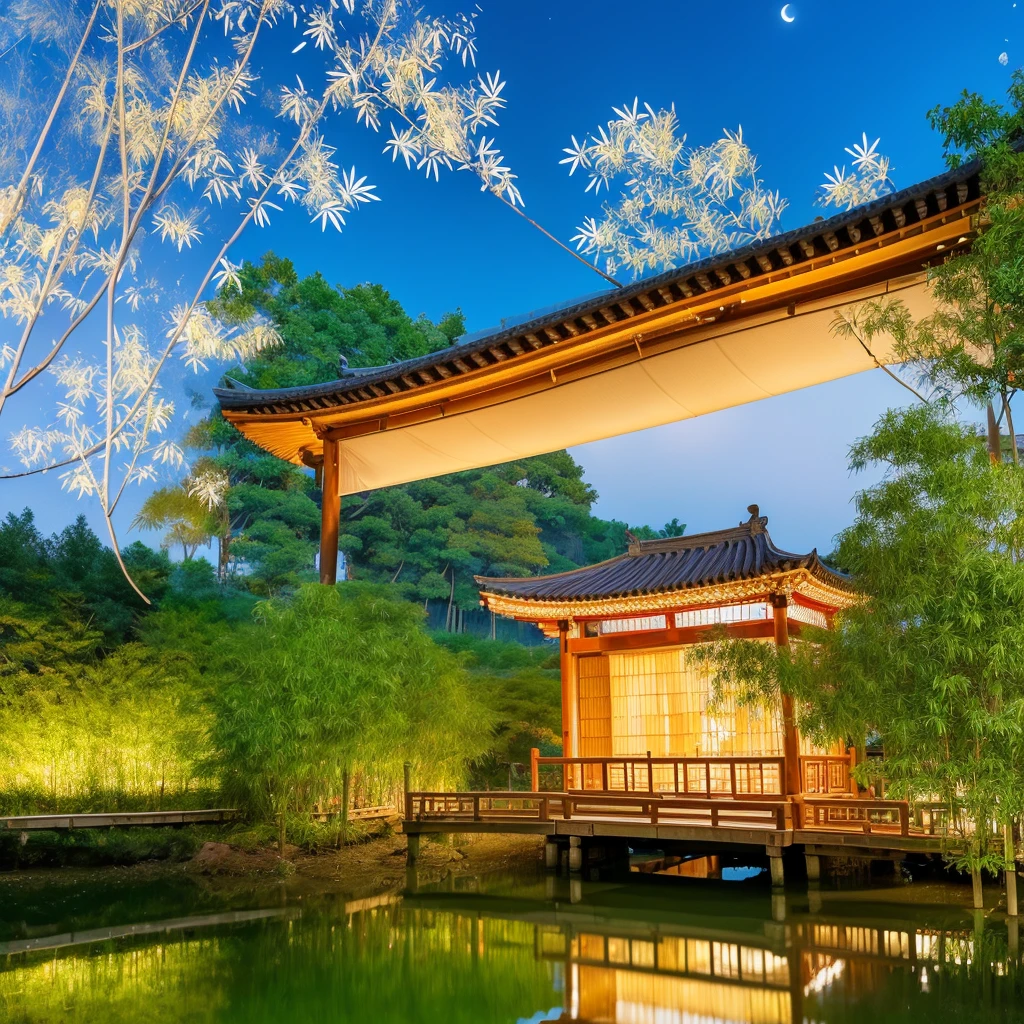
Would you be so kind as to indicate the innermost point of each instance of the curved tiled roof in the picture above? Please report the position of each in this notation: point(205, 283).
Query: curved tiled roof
point(742, 552)
point(840, 234)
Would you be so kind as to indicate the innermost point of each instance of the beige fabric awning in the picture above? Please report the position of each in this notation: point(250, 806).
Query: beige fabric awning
point(742, 326)
point(725, 368)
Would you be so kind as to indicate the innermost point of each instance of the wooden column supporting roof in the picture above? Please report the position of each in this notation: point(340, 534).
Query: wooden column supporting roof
point(725, 331)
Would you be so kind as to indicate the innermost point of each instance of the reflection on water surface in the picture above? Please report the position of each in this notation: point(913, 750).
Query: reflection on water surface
point(662, 951)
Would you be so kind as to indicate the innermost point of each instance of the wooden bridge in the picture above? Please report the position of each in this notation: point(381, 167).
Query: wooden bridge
point(712, 804)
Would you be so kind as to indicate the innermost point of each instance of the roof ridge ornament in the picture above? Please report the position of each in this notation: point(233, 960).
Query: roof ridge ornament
point(757, 522)
point(634, 543)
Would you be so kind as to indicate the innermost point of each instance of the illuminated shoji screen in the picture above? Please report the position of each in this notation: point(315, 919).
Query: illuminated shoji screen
point(659, 702)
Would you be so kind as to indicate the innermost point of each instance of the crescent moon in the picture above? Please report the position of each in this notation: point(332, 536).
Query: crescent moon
point(787, 17)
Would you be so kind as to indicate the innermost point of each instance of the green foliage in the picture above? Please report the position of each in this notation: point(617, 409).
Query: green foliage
point(480, 654)
point(74, 574)
point(521, 688)
point(972, 345)
point(98, 847)
point(528, 516)
point(186, 518)
point(931, 661)
point(80, 732)
point(335, 680)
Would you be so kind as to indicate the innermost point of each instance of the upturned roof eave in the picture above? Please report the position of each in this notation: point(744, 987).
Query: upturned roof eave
point(240, 397)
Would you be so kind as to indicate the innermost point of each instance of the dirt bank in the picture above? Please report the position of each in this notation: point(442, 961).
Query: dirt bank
point(374, 866)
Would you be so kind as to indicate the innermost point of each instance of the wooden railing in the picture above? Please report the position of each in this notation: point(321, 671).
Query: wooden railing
point(831, 814)
point(745, 777)
point(775, 815)
point(825, 773)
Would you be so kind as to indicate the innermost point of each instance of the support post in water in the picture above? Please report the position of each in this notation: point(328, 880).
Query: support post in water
point(813, 867)
point(575, 854)
point(413, 852)
point(550, 854)
point(775, 864)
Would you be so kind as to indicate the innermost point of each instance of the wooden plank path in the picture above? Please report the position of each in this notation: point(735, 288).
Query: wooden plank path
point(127, 819)
point(359, 814)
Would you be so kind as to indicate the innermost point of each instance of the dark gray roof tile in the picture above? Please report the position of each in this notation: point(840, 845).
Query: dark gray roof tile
point(741, 552)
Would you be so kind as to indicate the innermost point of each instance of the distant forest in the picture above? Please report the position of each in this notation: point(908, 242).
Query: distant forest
point(428, 538)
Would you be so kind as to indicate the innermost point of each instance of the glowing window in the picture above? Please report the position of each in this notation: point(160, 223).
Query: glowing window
point(750, 612)
point(633, 625)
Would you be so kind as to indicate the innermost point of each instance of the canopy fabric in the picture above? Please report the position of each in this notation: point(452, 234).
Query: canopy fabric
point(729, 366)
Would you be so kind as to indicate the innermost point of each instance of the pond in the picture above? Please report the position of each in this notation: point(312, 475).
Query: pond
point(510, 948)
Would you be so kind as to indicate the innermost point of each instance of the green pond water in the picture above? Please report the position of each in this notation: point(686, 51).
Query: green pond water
point(505, 948)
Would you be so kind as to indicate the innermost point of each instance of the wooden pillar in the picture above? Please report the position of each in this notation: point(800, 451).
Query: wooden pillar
point(790, 740)
point(534, 770)
point(570, 711)
point(330, 513)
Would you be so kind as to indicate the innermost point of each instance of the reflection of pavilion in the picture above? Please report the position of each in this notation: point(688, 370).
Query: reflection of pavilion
point(626, 979)
point(618, 968)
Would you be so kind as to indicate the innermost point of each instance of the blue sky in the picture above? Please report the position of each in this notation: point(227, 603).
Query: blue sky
point(801, 92)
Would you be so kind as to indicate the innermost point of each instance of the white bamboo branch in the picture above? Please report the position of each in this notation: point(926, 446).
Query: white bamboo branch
point(19, 195)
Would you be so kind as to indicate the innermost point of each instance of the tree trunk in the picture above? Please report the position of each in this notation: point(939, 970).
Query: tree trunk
point(224, 551)
point(346, 780)
point(281, 832)
point(979, 903)
point(995, 447)
point(451, 597)
point(1011, 871)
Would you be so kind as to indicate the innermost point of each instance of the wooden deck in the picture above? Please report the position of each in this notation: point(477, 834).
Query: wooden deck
point(845, 824)
point(709, 803)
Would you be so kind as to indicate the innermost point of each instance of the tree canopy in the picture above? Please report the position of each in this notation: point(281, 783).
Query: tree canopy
point(428, 538)
point(931, 661)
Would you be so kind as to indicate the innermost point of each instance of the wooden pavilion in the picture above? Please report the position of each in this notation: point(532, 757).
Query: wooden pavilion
point(636, 708)
point(727, 330)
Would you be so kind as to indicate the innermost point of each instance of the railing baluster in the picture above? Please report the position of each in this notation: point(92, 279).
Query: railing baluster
point(707, 777)
point(604, 776)
point(732, 776)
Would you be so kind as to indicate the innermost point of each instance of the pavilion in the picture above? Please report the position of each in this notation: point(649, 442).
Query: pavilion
point(729, 329)
point(631, 693)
